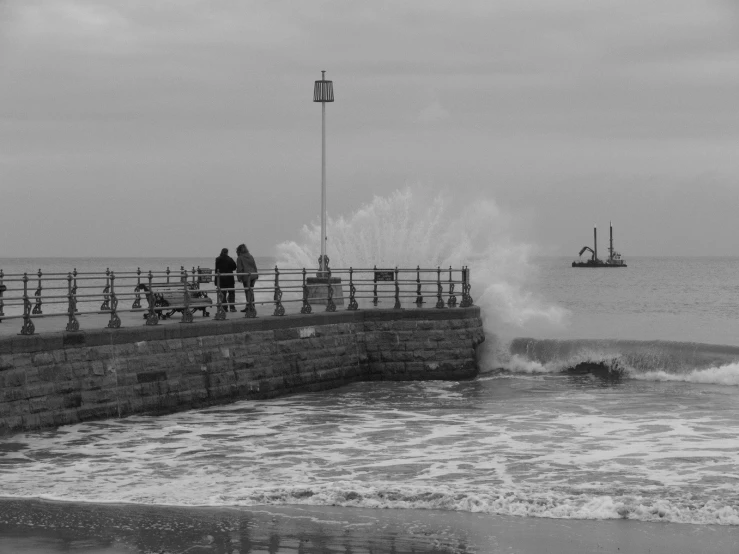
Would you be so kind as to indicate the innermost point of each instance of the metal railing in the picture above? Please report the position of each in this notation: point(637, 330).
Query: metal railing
point(30, 297)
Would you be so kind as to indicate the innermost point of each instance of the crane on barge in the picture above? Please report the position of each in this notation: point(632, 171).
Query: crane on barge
point(614, 258)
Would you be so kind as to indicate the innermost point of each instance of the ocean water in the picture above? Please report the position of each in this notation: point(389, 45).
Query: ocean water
point(625, 405)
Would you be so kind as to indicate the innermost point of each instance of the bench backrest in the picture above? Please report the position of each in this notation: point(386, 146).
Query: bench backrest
point(175, 294)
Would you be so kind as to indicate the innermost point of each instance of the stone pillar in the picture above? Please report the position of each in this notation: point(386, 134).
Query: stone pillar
point(318, 290)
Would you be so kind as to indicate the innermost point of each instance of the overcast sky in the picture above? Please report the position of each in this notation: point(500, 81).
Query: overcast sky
point(176, 127)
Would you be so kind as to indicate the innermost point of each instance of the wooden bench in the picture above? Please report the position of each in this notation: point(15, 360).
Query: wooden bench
point(172, 296)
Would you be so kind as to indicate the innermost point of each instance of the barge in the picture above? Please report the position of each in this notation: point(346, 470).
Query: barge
point(614, 258)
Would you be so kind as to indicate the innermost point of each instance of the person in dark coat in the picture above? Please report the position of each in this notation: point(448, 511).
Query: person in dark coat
point(245, 264)
point(226, 266)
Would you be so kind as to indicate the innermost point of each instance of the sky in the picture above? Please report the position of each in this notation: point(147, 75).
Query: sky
point(178, 127)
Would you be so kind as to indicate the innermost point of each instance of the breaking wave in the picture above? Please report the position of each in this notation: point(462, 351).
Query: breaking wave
point(645, 360)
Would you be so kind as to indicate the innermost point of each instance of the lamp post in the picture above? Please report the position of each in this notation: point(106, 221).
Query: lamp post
point(324, 288)
point(323, 92)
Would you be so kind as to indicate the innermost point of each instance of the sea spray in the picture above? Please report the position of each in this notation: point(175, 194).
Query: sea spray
point(408, 229)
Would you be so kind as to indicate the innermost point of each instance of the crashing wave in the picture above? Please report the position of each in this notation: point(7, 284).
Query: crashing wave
point(644, 360)
point(408, 229)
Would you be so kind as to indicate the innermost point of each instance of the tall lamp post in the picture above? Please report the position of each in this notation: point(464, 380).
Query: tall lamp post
point(323, 289)
point(323, 92)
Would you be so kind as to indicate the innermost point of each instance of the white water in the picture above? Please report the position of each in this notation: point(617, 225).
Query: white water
point(408, 229)
point(538, 447)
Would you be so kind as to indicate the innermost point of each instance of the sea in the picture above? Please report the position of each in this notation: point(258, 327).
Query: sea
point(623, 406)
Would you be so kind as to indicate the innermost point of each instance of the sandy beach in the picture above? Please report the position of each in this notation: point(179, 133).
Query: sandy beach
point(40, 527)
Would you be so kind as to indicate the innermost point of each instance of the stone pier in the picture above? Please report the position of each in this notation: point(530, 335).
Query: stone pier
point(66, 377)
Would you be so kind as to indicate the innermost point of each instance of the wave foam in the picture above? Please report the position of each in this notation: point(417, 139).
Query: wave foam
point(722, 375)
point(550, 504)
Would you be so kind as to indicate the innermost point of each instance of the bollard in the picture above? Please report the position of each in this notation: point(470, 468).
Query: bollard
point(279, 308)
point(352, 292)
point(306, 309)
point(115, 321)
point(72, 324)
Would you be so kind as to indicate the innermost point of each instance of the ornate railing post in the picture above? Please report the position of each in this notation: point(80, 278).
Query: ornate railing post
point(279, 308)
point(397, 290)
point(74, 287)
point(220, 312)
point(306, 309)
point(469, 287)
point(152, 318)
point(375, 300)
point(352, 292)
point(1, 294)
point(439, 289)
point(419, 297)
point(251, 310)
point(72, 324)
point(167, 274)
point(106, 292)
point(330, 305)
point(115, 321)
point(452, 301)
point(194, 279)
point(466, 298)
point(187, 312)
point(28, 326)
point(37, 294)
point(137, 300)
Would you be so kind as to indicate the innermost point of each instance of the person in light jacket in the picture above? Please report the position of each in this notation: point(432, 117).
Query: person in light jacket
point(225, 266)
point(245, 264)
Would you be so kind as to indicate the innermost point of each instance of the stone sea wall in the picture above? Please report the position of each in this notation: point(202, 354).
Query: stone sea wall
point(62, 378)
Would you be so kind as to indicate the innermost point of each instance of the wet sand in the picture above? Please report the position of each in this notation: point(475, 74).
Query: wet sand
point(32, 526)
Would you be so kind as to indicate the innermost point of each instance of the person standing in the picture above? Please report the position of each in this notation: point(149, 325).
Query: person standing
point(226, 266)
point(245, 264)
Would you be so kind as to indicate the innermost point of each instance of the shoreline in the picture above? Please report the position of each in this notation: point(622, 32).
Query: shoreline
point(49, 527)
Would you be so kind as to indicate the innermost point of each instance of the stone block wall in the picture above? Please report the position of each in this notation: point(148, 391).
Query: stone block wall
point(63, 378)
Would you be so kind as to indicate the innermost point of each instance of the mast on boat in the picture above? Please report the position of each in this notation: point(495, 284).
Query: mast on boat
point(595, 243)
point(610, 249)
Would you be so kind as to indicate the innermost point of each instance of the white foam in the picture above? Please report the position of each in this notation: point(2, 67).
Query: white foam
point(722, 375)
point(482, 446)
